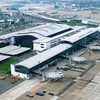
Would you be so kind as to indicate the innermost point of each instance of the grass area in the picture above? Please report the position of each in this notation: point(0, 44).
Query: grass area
point(74, 22)
point(5, 66)
point(27, 45)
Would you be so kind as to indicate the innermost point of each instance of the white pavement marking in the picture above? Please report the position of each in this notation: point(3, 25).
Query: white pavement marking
point(19, 89)
point(55, 98)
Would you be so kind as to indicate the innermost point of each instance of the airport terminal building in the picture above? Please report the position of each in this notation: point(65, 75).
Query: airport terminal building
point(68, 42)
point(50, 41)
point(27, 36)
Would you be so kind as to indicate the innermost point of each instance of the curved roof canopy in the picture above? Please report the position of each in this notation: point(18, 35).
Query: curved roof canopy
point(76, 36)
point(39, 31)
point(41, 57)
point(50, 29)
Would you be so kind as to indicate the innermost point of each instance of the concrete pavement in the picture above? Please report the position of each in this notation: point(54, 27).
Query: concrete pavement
point(18, 90)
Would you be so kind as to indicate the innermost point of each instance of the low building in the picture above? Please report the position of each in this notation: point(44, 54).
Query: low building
point(91, 21)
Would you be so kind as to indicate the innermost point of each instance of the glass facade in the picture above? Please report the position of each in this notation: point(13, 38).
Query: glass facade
point(22, 69)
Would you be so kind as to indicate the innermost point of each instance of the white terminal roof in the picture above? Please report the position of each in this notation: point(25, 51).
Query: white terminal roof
point(43, 40)
point(50, 29)
point(75, 37)
point(13, 50)
point(39, 31)
point(31, 34)
point(92, 20)
point(8, 49)
point(3, 57)
point(18, 51)
point(41, 57)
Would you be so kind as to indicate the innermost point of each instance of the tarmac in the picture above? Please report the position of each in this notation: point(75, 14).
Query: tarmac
point(81, 82)
point(19, 89)
point(73, 85)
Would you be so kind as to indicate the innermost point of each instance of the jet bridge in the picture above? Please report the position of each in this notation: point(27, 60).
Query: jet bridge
point(94, 47)
point(52, 75)
point(79, 59)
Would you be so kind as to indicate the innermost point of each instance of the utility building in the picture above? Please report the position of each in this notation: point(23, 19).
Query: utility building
point(91, 21)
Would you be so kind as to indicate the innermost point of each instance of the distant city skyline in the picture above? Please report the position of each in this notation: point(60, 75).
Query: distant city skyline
point(42, 0)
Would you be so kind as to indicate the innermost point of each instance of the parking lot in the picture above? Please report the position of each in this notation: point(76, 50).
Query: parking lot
point(7, 83)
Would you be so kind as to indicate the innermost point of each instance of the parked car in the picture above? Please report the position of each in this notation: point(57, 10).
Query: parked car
point(29, 95)
point(44, 91)
point(40, 93)
point(13, 81)
point(2, 77)
point(51, 94)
